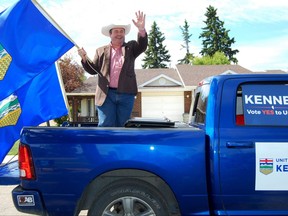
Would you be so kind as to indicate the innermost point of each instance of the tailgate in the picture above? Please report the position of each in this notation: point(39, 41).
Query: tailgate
point(9, 171)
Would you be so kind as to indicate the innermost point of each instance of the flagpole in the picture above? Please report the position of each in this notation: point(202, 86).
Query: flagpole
point(59, 74)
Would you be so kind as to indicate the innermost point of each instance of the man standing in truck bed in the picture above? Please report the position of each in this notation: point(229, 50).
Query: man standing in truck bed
point(114, 64)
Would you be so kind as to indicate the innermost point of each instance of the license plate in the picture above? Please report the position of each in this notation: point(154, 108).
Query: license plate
point(26, 200)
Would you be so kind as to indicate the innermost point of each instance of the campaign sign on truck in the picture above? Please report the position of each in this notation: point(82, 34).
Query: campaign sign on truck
point(265, 104)
point(271, 166)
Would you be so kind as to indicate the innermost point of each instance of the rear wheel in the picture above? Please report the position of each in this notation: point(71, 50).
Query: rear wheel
point(129, 198)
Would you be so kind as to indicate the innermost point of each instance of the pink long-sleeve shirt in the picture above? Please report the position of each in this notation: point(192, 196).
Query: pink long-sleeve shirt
point(117, 60)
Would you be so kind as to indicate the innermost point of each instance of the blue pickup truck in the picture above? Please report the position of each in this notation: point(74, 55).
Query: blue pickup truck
point(232, 159)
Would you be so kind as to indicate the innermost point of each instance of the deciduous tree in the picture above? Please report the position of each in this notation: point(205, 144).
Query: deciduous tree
point(72, 73)
point(217, 58)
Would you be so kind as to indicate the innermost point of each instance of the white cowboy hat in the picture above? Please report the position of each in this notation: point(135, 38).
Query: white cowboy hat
point(106, 29)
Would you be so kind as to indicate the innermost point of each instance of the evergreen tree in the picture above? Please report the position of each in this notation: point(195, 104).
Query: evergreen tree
point(215, 37)
point(186, 37)
point(156, 55)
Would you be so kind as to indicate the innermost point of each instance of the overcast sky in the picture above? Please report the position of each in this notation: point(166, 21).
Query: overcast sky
point(260, 27)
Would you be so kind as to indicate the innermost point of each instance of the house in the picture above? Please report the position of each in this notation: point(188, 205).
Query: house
point(163, 92)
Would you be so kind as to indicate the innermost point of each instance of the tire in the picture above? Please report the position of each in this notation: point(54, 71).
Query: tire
point(129, 198)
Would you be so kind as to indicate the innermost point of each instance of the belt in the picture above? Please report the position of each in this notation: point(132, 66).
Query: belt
point(112, 88)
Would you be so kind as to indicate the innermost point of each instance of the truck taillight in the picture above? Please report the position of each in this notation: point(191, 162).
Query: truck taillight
point(26, 166)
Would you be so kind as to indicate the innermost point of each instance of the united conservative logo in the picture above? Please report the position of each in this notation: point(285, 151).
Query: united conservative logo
point(266, 165)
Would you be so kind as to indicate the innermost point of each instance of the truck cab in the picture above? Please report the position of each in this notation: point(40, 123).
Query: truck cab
point(246, 119)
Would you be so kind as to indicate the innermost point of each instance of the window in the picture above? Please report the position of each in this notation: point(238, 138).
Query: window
point(239, 107)
point(199, 109)
point(264, 104)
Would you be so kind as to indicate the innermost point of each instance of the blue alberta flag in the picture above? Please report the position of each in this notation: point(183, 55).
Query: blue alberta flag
point(30, 91)
point(30, 42)
point(38, 101)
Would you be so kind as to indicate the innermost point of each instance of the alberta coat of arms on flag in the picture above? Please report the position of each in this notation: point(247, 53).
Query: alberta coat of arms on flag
point(5, 60)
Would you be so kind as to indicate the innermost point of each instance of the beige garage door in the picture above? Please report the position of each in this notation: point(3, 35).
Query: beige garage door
point(163, 104)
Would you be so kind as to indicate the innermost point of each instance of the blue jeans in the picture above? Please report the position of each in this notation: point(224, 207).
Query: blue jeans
point(116, 109)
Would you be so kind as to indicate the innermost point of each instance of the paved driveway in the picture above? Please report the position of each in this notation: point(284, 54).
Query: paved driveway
point(6, 204)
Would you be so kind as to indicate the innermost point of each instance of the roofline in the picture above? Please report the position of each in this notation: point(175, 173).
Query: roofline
point(166, 89)
point(150, 89)
point(161, 76)
point(178, 72)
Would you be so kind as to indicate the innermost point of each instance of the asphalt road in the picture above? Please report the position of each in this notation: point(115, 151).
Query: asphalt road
point(6, 204)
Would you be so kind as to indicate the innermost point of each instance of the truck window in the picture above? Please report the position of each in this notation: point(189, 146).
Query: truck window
point(239, 107)
point(262, 104)
point(200, 105)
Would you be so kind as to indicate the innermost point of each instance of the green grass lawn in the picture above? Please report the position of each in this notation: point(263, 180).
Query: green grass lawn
point(14, 149)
